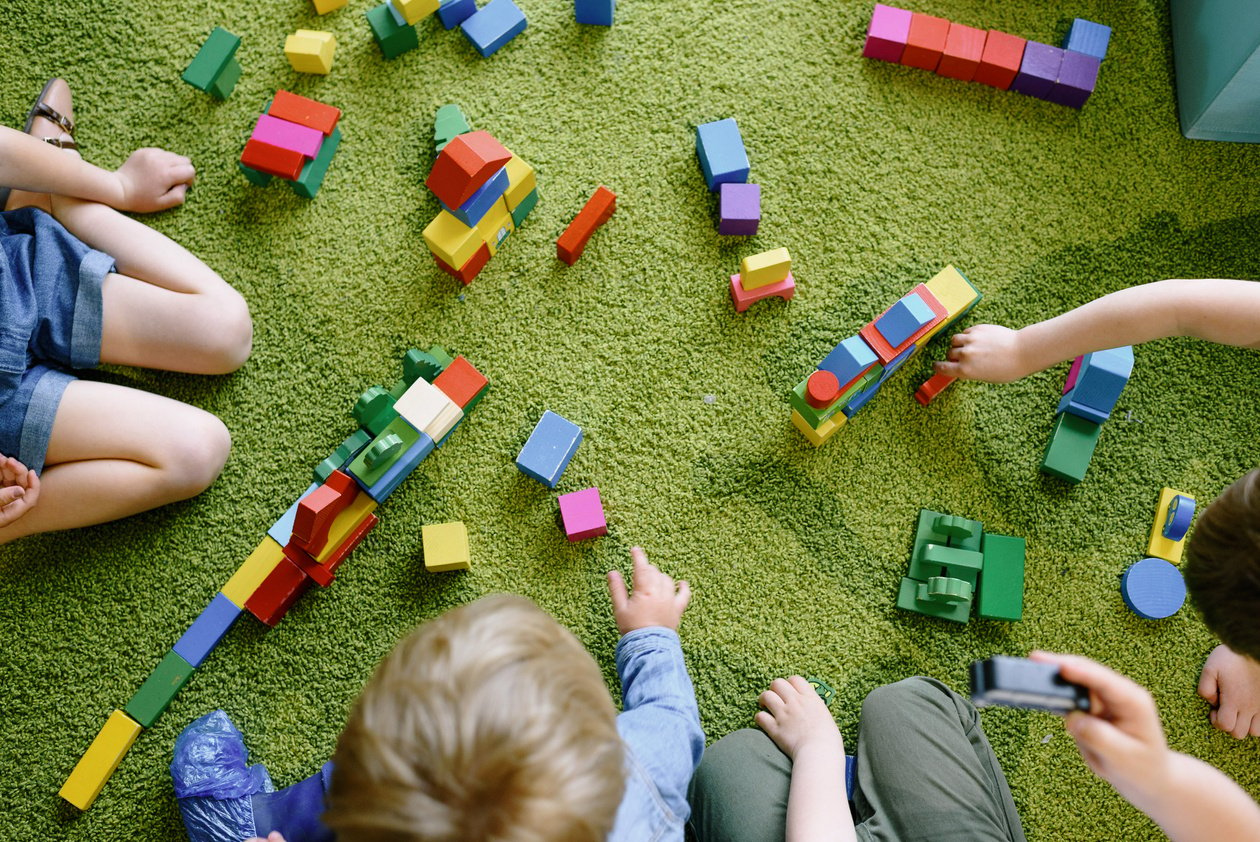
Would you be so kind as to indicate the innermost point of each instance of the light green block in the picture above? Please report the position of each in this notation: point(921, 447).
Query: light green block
point(148, 703)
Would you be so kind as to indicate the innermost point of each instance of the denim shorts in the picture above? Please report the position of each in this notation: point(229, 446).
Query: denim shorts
point(50, 323)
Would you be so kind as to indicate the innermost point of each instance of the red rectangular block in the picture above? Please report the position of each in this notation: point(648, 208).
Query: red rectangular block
point(1003, 55)
point(597, 210)
point(926, 42)
point(273, 598)
point(463, 165)
point(964, 47)
point(936, 384)
point(304, 112)
point(461, 382)
point(303, 560)
point(317, 510)
point(885, 352)
point(272, 160)
point(469, 270)
point(360, 532)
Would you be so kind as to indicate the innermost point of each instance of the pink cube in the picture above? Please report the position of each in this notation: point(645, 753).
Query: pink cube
point(583, 514)
point(887, 35)
point(288, 135)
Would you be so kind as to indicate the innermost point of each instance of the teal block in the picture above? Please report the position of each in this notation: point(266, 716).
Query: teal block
point(226, 81)
point(440, 354)
point(1002, 580)
point(345, 452)
point(256, 178)
point(214, 57)
point(1216, 49)
point(913, 596)
point(1071, 447)
point(524, 208)
point(393, 39)
point(312, 176)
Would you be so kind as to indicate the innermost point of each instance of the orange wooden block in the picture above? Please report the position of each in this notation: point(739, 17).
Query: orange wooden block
point(469, 270)
point(1000, 62)
point(317, 510)
point(821, 389)
point(463, 165)
point(964, 47)
point(304, 112)
point(936, 384)
point(272, 160)
point(926, 42)
point(885, 352)
point(461, 382)
point(597, 210)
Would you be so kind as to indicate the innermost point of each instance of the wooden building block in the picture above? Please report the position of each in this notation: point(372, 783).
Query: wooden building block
point(277, 593)
point(470, 270)
point(936, 384)
point(597, 210)
point(308, 182)
point(428, 409)
point(323, 7)
point(317, 511)
point(745, 298)
point(955, 293)
point(1002, 580)
point(493, 26)
point(1039, 70)
point(999, 64)
point(768, 267)
point(394, 37)
point(253, 571)
point(964, 48)
point(213, 60)
point(818, 436)
point(926, 41)
point(887, 352)
point(549, 448)
point(462, 383)
point(451, 240)
point(292, 136)
point(155, 694)
point(1160, 546)
point(415, 10)
point(1071, 447)
point(445, 547)
point(582, 514)
point(304, 111)
point(495, 226)
point(522, 181)
point(311, 51)
point(720, 148)
point(463, 165)
point(100, 760)
point(273, 160)
point(207, 630)
point(887, 33)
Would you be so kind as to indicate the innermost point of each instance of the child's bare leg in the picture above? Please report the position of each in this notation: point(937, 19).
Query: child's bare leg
point(116, 451)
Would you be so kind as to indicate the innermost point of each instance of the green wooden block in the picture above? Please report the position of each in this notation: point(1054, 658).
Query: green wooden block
point(1002, 580)
point(825, 691)
point(817, 417)
point(449, 123)
point(158, 689)
point(394, 39)
point(936, 528)
point(439, 353)
point(226, 81)
point(422, 365)
point(383, 451)
point(524, 208)
point(256, 178)
point(212, 60)
point(1071, 446)
point(345, 451)
point(374, 410)
point(312, 175)
point(399, 389)
point(913, 596)
point(945, 589)
point(399, 428)
point(932, 560)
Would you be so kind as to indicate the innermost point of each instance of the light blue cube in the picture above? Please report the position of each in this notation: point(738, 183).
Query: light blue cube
point(722, 155)
point(549, 449)
point(1089, 38)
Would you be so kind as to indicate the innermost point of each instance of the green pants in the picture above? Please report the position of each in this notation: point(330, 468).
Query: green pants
point(925, 771)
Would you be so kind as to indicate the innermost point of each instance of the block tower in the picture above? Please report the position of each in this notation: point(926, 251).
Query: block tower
point(1093, 386)
point(295, 140)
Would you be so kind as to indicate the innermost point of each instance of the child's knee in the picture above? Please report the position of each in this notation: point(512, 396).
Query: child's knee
point(195, 457)
point(233, 336)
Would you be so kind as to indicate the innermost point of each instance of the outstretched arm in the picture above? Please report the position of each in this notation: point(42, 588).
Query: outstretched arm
point(1217, 310)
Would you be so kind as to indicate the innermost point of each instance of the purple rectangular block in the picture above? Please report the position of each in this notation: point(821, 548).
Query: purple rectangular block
point(288, 135)
point(1039, 71)
point(887, 35)
point(1077, 77)
point(739, 209)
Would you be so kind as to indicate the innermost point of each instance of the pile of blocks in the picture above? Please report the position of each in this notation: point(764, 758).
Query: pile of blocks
point(955, 562)
point(1093, 386)
point(853, 372)
point(485, 190)
point(1154, 588)
point(761, 276)
point(399, 428)
point(724, 162)
point(215, 69)
point(1065, 75)
point(547, 452)
point(294, 139)
point(394, 22)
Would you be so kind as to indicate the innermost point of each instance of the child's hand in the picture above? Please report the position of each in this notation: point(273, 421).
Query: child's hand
point(1231, 685)
point(985, 352)
point(657, 600)
point(19, 490)
point(154, 180)
point(795, 716)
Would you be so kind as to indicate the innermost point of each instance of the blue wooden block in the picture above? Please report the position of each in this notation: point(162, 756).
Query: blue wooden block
point(722, 155)
point(480, 202)
point(207, 630)
point(849, 359)
point(1180, 513)
point(549, 449)
point(1153, 588)
point(399, 470)
point(1216, 45)
point(1039, 70)
point(895, 363)
point(282, 530)
point(1099, 382)
point(454, 12)
point(860, 399)
point(850, 774)
point(902, 319)
point(594, 12)
point(493, 25)
point(1089, 38)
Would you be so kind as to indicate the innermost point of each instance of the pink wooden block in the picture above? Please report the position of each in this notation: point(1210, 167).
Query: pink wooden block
point(1072, 372)
point(743, 298)
point(583, 514)
point(888, 32)
point(288, 135)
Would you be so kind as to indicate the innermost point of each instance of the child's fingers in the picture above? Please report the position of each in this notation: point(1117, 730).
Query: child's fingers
point(683, 598)
point(771, 700)
point(176, 195)
point(1209, 687)
point(1122, 697)
point(950, 369)
point(800, 685)
point(617, 590)
point(10, 494)
point(183, 171)
point(766, 722)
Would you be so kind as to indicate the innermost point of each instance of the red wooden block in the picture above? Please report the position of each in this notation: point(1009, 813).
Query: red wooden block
point(352, 540)
point(304, 112)
point(273, 598)
point(469, 270)
point(999, 64)
point(461, 382)
point(303, 560)
point(597, 210)
point(821, 389)
point(933, 387)
point(272, 160)
point(316, 511)
point(926, 41)
point(963, 50)
point(885, 352)
point(463, 165)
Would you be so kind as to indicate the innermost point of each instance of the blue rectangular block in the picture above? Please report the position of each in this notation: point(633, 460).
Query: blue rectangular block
point(399, 470)
point(594, 12)
point(1089, 38)
point(480, 202)
point(549, 449)
point(282, 530)
point(903, 319)
point(722, 155)
point(207, 630)
point(848, 360)
point(1099, 382)
point(860, 399)
point(1039, 70)
point(493, 25)
point(895, 363)
point(454, 12)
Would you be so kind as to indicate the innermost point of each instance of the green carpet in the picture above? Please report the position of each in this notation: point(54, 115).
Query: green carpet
point(874, 176)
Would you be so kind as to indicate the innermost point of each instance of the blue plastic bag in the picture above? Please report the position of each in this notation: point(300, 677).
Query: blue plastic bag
point(213, 782)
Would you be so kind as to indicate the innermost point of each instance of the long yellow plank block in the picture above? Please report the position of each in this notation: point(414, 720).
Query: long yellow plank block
point(100, 760)
point(252, 571)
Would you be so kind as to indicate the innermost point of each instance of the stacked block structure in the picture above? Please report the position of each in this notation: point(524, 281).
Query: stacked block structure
point(310, 541)
point(724, 163)
point(1154, 588)
point(215, 69)
point(763, 275)
point(1065, 75)
point(954, 563)
point(850, 375)
point(546, 454)
point(1093, 386)
point(295, 139)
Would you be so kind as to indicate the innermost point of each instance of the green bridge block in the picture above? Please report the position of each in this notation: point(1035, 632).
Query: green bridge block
point(932, 560)
point(374, 410)
point(311, 178)
point(945, 589)
point(158, 689)
point(355, 442)
point(215, 59)
point(913, 596)
point(1071, 446)
point(421, 365)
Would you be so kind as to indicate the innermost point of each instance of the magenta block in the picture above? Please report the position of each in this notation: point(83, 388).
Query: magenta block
point(1072, 372)
point(288, 135)
point(886, 36)
point(739, 209)
point(583, 514)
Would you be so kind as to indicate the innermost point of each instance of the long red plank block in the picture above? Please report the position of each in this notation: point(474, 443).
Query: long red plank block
point(936, 384)
point(360, 532)
point(463, 165)
point(469, 270)
point(304, 112)
point(317, 510)
point(275, 596)
point(1001, 60)
point(272, 160)
point(885, 352)
point(598, 209)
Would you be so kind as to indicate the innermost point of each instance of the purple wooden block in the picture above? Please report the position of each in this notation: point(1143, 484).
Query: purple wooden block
point(1039, 71)
point(887, 35)
point(1077, 78)
point(288, 135)
point(739, 209)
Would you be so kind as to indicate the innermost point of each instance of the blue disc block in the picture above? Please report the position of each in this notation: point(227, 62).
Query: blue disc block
point(1153, 589)
point(1180, 513)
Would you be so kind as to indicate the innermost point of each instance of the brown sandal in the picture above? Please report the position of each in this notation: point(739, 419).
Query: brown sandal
point(43, 109)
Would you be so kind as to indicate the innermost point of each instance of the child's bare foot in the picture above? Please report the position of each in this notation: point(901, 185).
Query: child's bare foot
point(51, 119)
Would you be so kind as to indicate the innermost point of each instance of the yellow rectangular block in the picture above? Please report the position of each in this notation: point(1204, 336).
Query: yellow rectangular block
point(100, 760)
point(954, 292)
point(1159, 546)
point(414, 10)
point(827, 429)
point(323, 7)
point(345, 523)
point(445, 547)
point(769, 267)
point(310, 51)
point(252, 571)
point(452, 240)
point(521, 181)
point(495, 226)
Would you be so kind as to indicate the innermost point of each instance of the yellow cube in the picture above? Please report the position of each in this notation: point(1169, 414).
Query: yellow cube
point(445, 547)
point(310, 51)
point(323, 7)
point(521, 181)
point(451, 240)
point(414, 10)
point(819, 435)
point(100, 760)
point(495, 226)
point(769, 267)
point(252, 571)
point(955, 292)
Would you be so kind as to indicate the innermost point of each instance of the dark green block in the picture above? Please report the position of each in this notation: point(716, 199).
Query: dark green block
point(394, 40)
point(824, 690)
point(947, 533)
point(345, 451)
point(212, 60)
point(398, 427)
point(449, 123)
point(256, 178)
point(935, 560)
point(439, 353)
point(312, 175)
point(1071, 446)
point(913, 597)
point(226, 81)
point(525, 207)
point(1002, 580)
point(374, 410)
point(418, 365)
point(158, 689)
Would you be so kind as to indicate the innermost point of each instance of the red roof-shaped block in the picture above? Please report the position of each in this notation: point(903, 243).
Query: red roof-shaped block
point(463, 165)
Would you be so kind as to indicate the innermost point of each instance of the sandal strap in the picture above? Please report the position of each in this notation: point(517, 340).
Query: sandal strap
point(61, 144)
point(46, 111)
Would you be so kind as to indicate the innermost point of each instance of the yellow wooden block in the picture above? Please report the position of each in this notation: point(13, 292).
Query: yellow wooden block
point(323, 7)
point(100, 760)
point(445, 546)
point(451, 240)
point(252, 571)
point(310, 51)
point(414, 10)
point(444, 421)
point(769, 267)
point(954, 292)
point(1159, 546)
point(345, 523)
point(521, 181)
point(825, 430)
point(495, 226)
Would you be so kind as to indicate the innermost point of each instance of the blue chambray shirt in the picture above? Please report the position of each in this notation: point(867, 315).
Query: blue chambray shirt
point(660, 726)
